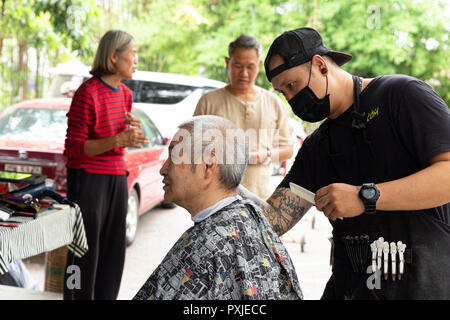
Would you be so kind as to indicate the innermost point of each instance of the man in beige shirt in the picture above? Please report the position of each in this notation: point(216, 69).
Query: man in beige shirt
point(258, 112)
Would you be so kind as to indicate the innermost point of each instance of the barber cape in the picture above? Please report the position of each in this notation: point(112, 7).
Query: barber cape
point(231, 254)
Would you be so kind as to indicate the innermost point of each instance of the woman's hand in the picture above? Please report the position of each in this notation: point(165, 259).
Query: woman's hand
point(133, 137)
point(132, 120)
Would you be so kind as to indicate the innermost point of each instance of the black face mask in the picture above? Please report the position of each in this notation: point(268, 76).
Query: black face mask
point(308, 107)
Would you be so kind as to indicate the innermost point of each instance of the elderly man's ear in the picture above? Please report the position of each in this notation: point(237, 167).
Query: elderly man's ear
point(207, 173)
point(210, 166)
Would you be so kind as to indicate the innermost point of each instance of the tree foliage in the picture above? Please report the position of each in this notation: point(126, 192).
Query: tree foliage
point(192, 37)
point(37, 34)
point(70, 20)
point(384, 36)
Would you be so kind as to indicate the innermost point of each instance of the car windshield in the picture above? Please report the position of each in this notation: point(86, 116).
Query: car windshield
point(160, 93)
point(34, 124)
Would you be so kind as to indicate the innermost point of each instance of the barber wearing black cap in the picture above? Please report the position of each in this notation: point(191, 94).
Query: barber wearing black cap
point(380, 162)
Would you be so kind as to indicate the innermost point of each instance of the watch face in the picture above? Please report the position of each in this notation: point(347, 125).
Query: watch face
point(369, 193)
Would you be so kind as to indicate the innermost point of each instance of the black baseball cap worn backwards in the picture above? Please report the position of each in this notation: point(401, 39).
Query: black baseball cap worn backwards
point(297, 47)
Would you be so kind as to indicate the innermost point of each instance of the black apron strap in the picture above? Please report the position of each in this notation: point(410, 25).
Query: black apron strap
point(366, 155)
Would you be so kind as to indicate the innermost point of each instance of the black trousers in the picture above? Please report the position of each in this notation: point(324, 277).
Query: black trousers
point(103, 200)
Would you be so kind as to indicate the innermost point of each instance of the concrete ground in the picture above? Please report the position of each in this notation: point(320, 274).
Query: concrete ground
point(159, 229)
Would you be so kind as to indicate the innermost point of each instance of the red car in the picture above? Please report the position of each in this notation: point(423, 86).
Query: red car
point(32, 135)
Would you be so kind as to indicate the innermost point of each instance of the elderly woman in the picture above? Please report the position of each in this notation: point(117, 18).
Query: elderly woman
point(100, 127)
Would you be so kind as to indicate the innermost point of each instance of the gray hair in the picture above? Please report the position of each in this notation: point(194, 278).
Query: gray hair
point(221, 136)
point(246, 42)
point(113, 40)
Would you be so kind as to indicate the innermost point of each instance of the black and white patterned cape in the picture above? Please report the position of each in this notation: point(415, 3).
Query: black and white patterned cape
point(232, 254)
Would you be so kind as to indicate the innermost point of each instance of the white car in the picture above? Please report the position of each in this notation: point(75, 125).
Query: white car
point(168, 99)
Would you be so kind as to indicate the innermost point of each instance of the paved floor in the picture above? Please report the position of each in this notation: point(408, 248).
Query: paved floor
point(160, 228)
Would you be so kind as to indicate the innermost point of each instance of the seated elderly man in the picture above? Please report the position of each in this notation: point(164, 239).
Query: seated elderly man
point(231, 252)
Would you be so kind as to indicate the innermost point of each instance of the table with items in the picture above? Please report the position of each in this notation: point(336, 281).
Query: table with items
point(51, 228)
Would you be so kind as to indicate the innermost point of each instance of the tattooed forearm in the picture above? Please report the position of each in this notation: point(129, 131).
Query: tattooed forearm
point(283, 209)
point(288, 209)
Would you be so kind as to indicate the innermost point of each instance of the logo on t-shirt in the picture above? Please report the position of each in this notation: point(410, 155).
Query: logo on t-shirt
point(372, 114)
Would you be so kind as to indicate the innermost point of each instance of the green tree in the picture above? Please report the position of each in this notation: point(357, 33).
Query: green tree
point(385, 37)
point(73, 21)
point(192, 37)
point(35, 32)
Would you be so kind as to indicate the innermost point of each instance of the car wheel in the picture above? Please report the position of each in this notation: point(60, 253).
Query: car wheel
point(132, 217)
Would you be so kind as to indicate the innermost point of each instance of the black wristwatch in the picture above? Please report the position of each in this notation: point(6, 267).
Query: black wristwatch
point(369, 195)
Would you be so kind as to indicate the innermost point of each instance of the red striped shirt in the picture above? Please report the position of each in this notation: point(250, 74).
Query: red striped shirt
point(97, 111)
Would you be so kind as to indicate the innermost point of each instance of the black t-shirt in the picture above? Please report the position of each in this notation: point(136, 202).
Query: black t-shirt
point(408, 124)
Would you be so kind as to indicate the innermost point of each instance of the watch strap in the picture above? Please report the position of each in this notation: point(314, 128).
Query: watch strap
point(370, 207)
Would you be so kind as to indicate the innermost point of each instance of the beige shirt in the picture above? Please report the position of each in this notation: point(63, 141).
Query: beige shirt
point(264, 122)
